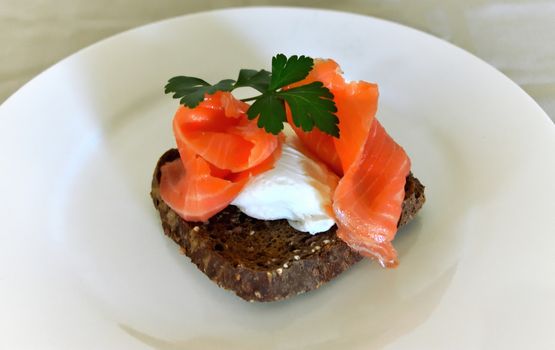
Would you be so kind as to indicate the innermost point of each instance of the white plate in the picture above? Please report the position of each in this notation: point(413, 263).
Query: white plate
point(83, 263)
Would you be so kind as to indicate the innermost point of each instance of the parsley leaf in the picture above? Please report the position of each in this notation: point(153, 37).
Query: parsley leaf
point(270, 110)
point(191, 90)
point(290, 70)
point(312, 105)
point(259, 80)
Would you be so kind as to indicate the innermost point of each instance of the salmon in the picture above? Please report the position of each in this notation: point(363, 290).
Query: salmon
point(319, 144)
point(367, 201)
point(220, 149)
point(356, 103)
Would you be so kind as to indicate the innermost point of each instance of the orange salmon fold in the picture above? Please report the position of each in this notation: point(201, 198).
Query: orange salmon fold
point(367, 201)
point(220, 149)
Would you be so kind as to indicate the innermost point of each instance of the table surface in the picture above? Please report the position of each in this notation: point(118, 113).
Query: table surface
point(516, 36)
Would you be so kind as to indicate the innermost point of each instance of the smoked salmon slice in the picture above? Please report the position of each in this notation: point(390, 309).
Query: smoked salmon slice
point(367, 201)
point(356, 103)
point(220, 149)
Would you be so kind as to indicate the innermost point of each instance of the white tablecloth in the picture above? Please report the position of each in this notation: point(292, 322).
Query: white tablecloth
point(517, 37)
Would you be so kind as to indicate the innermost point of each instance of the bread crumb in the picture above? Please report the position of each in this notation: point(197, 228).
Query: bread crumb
point(257, 294)
point(251, 233)
point(237, 277)
point(285, 265)
point(326, 241)
point(317, 247)
point(196, 228)
point(279, 271)
point(297, 257)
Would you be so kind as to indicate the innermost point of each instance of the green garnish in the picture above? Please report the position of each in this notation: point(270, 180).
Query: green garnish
point(311, 104)
point(191, 90)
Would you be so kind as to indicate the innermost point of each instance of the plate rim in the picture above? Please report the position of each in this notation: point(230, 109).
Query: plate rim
point(115, 36)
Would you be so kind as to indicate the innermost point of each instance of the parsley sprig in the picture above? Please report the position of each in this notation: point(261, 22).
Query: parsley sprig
point(311, 104)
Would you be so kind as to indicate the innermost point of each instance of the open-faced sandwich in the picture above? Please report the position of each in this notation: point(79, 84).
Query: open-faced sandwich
point(275, 198)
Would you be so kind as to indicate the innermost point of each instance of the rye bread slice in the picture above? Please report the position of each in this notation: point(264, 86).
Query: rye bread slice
point(264, 260)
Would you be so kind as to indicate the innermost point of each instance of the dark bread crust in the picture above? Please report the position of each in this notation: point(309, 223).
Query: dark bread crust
point(264, 260)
